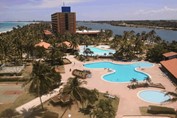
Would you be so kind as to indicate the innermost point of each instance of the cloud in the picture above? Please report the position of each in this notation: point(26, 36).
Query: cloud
point(165, 9)
point(40, 4)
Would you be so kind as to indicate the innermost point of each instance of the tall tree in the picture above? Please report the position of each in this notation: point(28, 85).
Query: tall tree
point(104, 109)
point(155, 54)
point(173, 98)
point(40, 81)
point(78, 94)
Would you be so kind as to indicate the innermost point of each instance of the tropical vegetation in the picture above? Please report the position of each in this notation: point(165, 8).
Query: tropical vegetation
point(173, 97)
point(79, 94)
point(43, 79)
point(103, 109)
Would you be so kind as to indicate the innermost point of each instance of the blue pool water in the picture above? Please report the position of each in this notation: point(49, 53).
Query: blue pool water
point(97, 51)
point(153, 96)
point(121, 72)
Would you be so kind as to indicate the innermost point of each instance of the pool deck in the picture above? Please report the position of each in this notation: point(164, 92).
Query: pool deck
point(129, 102)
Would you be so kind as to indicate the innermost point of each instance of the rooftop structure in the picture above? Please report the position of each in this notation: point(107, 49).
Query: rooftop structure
point(43, 44)
point(66, 9)
point(170, 66)
point(88, 32)
point(68, 44)
point(10, 70)
point(170, 55)
point(47, 32)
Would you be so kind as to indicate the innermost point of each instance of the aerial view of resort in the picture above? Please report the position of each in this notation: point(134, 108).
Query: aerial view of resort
point(88, 59)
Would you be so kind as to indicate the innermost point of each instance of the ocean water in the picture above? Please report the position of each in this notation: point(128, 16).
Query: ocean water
point(7, 26)
point(168, 35)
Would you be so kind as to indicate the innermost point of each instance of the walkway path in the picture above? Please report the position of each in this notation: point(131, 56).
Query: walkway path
point(36, 102)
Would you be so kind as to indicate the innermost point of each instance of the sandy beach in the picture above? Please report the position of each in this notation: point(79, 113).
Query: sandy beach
point(5, 31)
point(129, 101)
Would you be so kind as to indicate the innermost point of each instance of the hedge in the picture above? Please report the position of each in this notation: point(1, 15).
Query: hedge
point(160, 110)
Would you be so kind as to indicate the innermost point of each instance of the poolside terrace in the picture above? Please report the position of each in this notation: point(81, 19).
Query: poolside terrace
point(129, 102)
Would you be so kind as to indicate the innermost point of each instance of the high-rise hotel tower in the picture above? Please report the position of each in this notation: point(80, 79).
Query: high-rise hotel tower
point(65, 21)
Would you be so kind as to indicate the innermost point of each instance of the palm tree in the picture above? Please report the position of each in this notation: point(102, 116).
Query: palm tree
point(55, 55)
point(9, 113)
point(92, 96)
point(74, 42)
point(147, 79)
point(87, 51)
point(134, 81)
point(173, 98)
point(32, 112)
point(40, 80)
point(104, 109)
point(39, 52)
point(77, 93)
point(74, 89)
point(86, 40)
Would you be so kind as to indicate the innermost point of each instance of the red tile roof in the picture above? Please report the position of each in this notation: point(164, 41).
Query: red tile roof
point(171, 66)
point(169, 54)
point(43, 44)
point(47, 32)
point(68, 44)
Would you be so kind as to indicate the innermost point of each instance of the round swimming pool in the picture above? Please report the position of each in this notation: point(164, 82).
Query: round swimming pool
point(153, 96)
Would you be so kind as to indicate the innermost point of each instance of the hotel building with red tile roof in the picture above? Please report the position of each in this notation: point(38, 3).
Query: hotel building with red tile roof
point(47, 32)
point(171, 67)
point(43, 44)
point(69, 45)
point(170, 55)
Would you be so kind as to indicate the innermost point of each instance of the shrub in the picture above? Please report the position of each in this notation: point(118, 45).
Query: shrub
point(160, 110)
point(50, 114)
point(8, 113)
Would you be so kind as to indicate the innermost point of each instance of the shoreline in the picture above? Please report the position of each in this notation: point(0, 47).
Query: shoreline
point(10, 29)
point(144, 26)
point(1, 32)
point(138, 26)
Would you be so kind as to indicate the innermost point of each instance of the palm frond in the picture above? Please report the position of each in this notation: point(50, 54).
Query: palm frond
point(172, 94)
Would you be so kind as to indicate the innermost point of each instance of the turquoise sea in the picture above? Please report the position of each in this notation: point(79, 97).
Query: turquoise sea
point(6, 26)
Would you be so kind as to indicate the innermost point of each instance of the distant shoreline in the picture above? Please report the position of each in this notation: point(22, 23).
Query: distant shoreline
point(5, 31)
point(10, 29)
point(166, 25)
point(145, 26)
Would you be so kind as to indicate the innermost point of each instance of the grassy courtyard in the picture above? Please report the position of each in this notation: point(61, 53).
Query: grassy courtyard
point(75, 109)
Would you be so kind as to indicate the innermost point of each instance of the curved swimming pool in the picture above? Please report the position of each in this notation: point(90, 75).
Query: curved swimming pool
point(153, 96)
point(121, 72)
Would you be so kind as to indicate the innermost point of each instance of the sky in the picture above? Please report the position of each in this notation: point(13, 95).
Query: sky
point(86, 10)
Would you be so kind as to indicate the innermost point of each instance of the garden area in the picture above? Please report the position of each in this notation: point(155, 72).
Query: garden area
point(99, 108)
